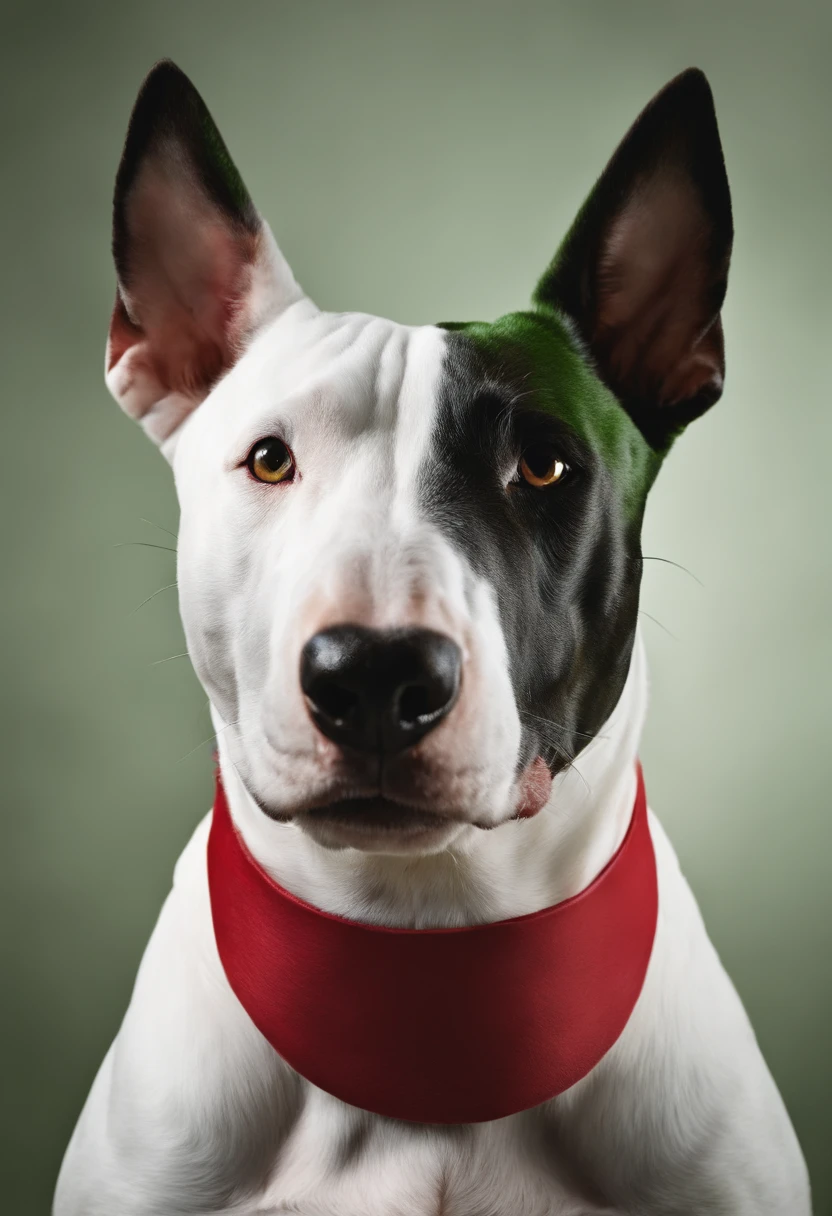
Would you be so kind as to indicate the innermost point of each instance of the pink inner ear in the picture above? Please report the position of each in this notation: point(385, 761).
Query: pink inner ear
point(188, 279)
point(653, 326)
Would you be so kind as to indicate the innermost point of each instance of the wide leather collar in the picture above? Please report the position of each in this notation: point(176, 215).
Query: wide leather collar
point(437, 1025)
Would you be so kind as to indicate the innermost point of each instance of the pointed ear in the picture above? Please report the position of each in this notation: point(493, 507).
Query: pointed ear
point(198, 270)
point(643, 272)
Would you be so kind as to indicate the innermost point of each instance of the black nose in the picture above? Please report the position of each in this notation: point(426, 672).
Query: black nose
point(379, 690)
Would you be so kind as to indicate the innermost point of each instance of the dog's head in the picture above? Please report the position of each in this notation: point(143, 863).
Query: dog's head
point(409, 557)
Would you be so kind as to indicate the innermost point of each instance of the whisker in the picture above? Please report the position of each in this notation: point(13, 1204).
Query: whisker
point(559, 750)
point(655, 621)
point(210, 739)
point(144, 544)
point(152, 597)
point(183, 655)
point(570, 765)
point(551, 739)
point(678, 566)
point(573, 768)
point(159, 526)
point(525, 713)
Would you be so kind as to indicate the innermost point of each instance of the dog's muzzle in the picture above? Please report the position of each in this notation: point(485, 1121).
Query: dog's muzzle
point(379, 691)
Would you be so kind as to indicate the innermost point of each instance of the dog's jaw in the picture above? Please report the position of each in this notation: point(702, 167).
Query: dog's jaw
point(478, 876)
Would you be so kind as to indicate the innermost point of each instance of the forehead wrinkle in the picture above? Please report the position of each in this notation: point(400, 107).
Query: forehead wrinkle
point(418, 407)
point(299, 352)
point(358, 392)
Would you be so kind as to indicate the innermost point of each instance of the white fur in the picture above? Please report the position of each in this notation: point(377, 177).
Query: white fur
point(192, 1111)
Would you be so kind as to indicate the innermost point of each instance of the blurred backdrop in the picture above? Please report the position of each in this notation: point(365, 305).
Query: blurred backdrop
point(420, 161)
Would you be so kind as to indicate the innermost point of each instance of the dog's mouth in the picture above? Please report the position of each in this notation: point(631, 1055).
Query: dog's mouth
point(367, 819)
point(376, 815)
point(374, 823)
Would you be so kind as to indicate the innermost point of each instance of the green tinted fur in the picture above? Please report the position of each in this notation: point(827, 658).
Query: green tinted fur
point(223, 164)
point(541, 349)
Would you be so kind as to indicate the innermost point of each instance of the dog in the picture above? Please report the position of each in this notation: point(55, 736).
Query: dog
point(409, 566)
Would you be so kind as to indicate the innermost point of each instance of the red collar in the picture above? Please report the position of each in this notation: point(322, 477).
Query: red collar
point(437, 1025)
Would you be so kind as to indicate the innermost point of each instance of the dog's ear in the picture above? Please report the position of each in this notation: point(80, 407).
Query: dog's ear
point(198, 270)
point(643, 272)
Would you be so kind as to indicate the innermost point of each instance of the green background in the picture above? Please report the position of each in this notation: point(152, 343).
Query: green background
point(419, 161)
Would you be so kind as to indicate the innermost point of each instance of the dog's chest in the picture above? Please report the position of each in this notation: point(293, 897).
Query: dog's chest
point(341, 1160)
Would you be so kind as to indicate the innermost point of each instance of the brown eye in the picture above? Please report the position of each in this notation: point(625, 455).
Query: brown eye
point(271, 461)
point(540, 465)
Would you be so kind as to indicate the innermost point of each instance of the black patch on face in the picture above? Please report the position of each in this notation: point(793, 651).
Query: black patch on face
point(564, 561)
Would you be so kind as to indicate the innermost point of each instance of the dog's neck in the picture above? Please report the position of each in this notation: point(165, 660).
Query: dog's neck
point(513, 869)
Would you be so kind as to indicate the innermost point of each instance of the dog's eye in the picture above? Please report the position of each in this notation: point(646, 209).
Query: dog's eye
point(540, 465)
point(270, 460)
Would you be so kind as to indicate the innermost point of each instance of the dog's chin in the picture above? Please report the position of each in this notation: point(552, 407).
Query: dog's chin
point(379, 825)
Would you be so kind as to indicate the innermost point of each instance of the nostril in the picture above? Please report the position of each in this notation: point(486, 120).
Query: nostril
point(339, 704)
point(415, 705)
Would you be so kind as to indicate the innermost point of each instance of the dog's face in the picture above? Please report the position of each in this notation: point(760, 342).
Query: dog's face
point(409, 557)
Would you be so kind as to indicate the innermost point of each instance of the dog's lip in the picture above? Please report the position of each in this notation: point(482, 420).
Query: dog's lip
point(534, 789)
point(376, 813)
point(368, 808)
point(351, 806)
